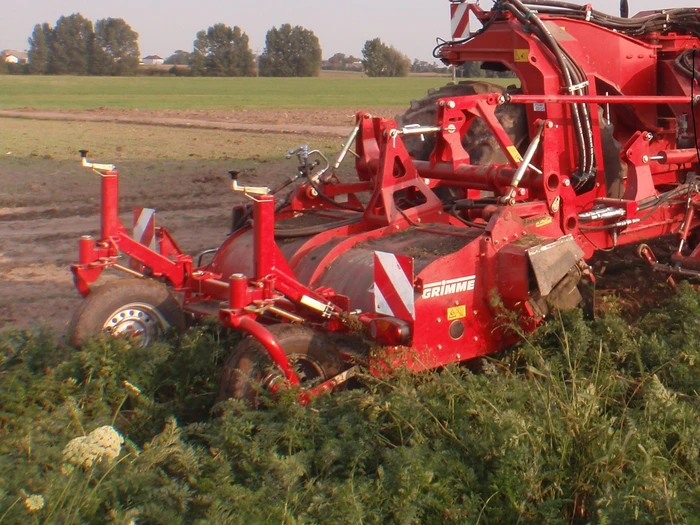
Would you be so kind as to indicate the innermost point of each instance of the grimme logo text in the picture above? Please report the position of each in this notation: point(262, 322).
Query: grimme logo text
point(449, 287)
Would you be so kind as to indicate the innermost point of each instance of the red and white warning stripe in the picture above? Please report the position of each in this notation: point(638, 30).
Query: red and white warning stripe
point(145, 227)
point(460, 20)
point(393, 285)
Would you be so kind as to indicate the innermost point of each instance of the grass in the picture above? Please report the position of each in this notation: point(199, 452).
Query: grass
point(79, 93)
point(111, 142)
point(208, 93)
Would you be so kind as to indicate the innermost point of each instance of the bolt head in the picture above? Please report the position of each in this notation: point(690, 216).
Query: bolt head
point(645, 159)
point(649, 136)
point(441, 103)
point(566, 182)
point(451, 104)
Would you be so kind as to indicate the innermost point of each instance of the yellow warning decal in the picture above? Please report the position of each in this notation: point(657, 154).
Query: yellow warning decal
point(544, 221)
point(514, 153)
point(456, 312)
point(521, 55)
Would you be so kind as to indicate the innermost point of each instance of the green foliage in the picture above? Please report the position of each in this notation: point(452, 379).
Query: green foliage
point(290, 52)
point(421, 66)
point(72, 44)
point(178, 58)
point(40, 49)
point(116, 48)
point(585, 422)
point(484, 70)
point(341, 62)
point(381, 60)
point(222, 51)
point(72, 47)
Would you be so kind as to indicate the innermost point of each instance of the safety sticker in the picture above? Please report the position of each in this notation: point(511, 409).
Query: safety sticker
point(145, 227)
point(521, 55)
point(544, 221)
point(456, 312)
point(393, 285)
point(514, 153)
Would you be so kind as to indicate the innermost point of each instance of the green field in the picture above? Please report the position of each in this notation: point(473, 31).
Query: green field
point(69, 92)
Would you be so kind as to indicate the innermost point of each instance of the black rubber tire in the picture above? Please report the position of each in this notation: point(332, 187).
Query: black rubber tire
point(313, 355)
point(479, 142)
point(93, 314)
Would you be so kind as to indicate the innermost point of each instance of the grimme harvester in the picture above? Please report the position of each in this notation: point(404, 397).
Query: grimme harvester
point(479, 200)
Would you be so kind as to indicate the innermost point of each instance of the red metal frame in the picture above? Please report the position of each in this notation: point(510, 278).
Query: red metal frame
point(323, 279)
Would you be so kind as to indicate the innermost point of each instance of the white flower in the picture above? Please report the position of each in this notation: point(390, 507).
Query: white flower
point(34, 502)
point(85, 451)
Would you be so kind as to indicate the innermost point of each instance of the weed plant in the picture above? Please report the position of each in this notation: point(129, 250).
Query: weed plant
point(583, 422)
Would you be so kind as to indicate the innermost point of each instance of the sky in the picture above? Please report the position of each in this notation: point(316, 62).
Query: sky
point(341, 26)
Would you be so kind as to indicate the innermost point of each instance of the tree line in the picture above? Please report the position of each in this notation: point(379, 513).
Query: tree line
point(74, 46)
point(289, 52)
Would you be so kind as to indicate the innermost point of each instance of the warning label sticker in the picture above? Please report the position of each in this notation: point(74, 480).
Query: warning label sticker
point(456, 312)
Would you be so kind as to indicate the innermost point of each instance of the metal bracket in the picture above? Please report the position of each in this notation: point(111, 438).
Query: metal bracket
point(577, 87)
point(97, 167)
point(247, 190)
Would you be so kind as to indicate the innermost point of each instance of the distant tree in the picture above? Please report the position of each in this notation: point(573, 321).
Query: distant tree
point(381, 60)
point(116, 48)
point(290, 52)
point(222, 51)
point(421, 66)
point(337, 61)
point(178, 58)
point(470, 70)
point(71, 45)
point(40, 49)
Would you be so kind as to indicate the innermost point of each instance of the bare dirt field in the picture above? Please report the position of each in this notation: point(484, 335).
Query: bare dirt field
point(47, 200)
point(176, 162)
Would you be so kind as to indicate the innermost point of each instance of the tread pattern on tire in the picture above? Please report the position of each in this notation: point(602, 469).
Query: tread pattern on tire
point(93, 312)
point(249, 360)
point(479, 142)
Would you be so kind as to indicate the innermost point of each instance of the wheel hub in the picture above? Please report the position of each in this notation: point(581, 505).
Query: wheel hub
point(139, 321)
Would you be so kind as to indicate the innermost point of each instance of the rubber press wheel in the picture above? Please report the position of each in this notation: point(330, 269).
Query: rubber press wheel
point(139, 308)
point(249, 367)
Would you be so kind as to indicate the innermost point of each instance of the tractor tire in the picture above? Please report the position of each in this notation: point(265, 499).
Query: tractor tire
point(312, 355)
point(479, 142)
point(140, 308)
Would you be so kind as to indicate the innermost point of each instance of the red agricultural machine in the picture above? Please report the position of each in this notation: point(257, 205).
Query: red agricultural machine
point(480, 200)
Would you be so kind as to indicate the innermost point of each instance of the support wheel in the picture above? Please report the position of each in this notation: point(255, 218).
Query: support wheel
point(313, 356)
point(139, 308)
